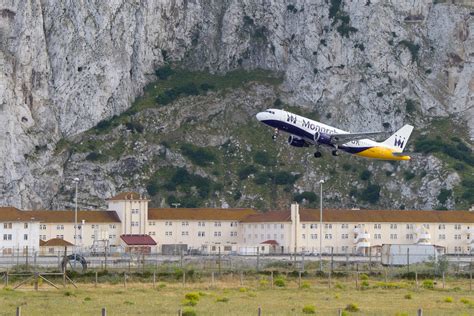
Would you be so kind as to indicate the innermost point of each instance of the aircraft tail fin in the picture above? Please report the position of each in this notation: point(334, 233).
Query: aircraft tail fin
point(400, 138)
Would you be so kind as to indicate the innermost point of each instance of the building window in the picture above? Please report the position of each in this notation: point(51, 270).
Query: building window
point(457, 237)
point(135, 224)
point(218, 224)
point(457, 226)
point(377, 236)
point(393, 236)
point(217, 234)
point(43, 237)
point(42, 227)
point(275, 226)
point(282, 236)
point(345, 248)
point(427, 226)
point(314, 236)
point(377, 226)
point(233, 234)
point(345, 236)
point(7, 225)
point(184, 233)
point(60, 227)
point(60, 236)
point(328, 236)
point(113, 225)
point(168, 223)
point(25, 237)
point(168, 233)
point(441, 237)
point(255, 236)
point(303, 236)
point(202, 234)
point(409, 226)
point(281, 226)
point(441, 226)
point(262, 226)
point(303, 226)
point(184, 224)
point(345, 226)
point(409, 236)
point(7, 237)
point(328, 226)
point(268, 226)
point(393, 226)
point(92, 236)
point(26, 225)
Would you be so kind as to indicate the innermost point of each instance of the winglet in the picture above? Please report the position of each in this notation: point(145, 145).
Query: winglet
point(399, 140)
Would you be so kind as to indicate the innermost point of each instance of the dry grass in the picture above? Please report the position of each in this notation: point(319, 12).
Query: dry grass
point(141, 298)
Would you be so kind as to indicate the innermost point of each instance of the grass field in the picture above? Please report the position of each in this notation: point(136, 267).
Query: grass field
point(227, 297)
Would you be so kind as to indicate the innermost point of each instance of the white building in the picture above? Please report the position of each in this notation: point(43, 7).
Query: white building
point(210, 230)
point(19, 231)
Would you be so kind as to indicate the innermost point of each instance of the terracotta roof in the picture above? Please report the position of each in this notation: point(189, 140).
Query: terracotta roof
point(12, 214)
point(55, 242)
point(138, 240)
point(367, 216)
point(391, 216)
point(68, 216)
point(270, 242)
point(124, 196)
point(271, 216)
point(228, 214)
point(42, 242)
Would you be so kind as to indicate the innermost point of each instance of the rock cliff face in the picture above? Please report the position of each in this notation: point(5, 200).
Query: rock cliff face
point(361, 65)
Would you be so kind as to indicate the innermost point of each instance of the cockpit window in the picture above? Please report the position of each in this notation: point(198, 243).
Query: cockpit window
point(271, 112)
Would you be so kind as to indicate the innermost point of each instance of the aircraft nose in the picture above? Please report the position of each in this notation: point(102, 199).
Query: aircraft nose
point(260, 116)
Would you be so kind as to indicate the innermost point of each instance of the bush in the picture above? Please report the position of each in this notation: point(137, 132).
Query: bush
point(428, 284)
point(263, 158)
point(448, 299)
point(243, 289)
point(465, 301)
point(87, 299)
point(192, 296)
point(244, 172)
point(280, 282)
point(263, 283)
point(364, 285)
point(363, 276)
point(305, 285)
point(222, 299)
point(371, 194)
point(412, 47)
point(340, 286)
point(189, 302)
point(352, 308)
point(164, 72)
point(408, 175)
point(306, 195)
point(188, 312)
point(198, 155)
point(94, 156)
point(309, 309)
point(134, 127)
point(408, 296)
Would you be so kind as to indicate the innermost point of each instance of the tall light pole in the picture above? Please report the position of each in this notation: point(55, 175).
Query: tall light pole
point(321, 225)
point(76, 181)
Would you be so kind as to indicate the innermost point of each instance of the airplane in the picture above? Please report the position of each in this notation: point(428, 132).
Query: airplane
point(305, 132)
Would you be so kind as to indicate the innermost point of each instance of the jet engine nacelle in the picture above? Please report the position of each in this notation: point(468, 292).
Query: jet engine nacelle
point(297, 142)
point(322, 138)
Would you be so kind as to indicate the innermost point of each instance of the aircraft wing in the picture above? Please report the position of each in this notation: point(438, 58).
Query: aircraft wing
point(340, 139)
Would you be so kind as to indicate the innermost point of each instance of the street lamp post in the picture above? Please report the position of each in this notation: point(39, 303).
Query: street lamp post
point(76, 181)
point(321, 225)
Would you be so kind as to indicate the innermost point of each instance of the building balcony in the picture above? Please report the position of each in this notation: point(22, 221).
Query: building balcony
point(361, 237)
point(363, 244)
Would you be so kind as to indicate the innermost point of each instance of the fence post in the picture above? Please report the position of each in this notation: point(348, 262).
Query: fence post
point(329, 279)
point(299, 279)
point(6, 278)
point(470, 281)
point(271, 279)
point(385, 272)
point(104, 311)
point(241, 278)
point(96, 278)
point(258, 259)
point(339, 312)
point(125, 280)
point(212, 278)
point(180, 312)
point(259, 311)
point(154, 279)
point(26, 258)
point(420, 312)
point(416, 278)
point(443, 280)
point(332, 259)
point(408, 259)
point(184, 278)
point(357, 280)
point(36, 280)
point(18, 311)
